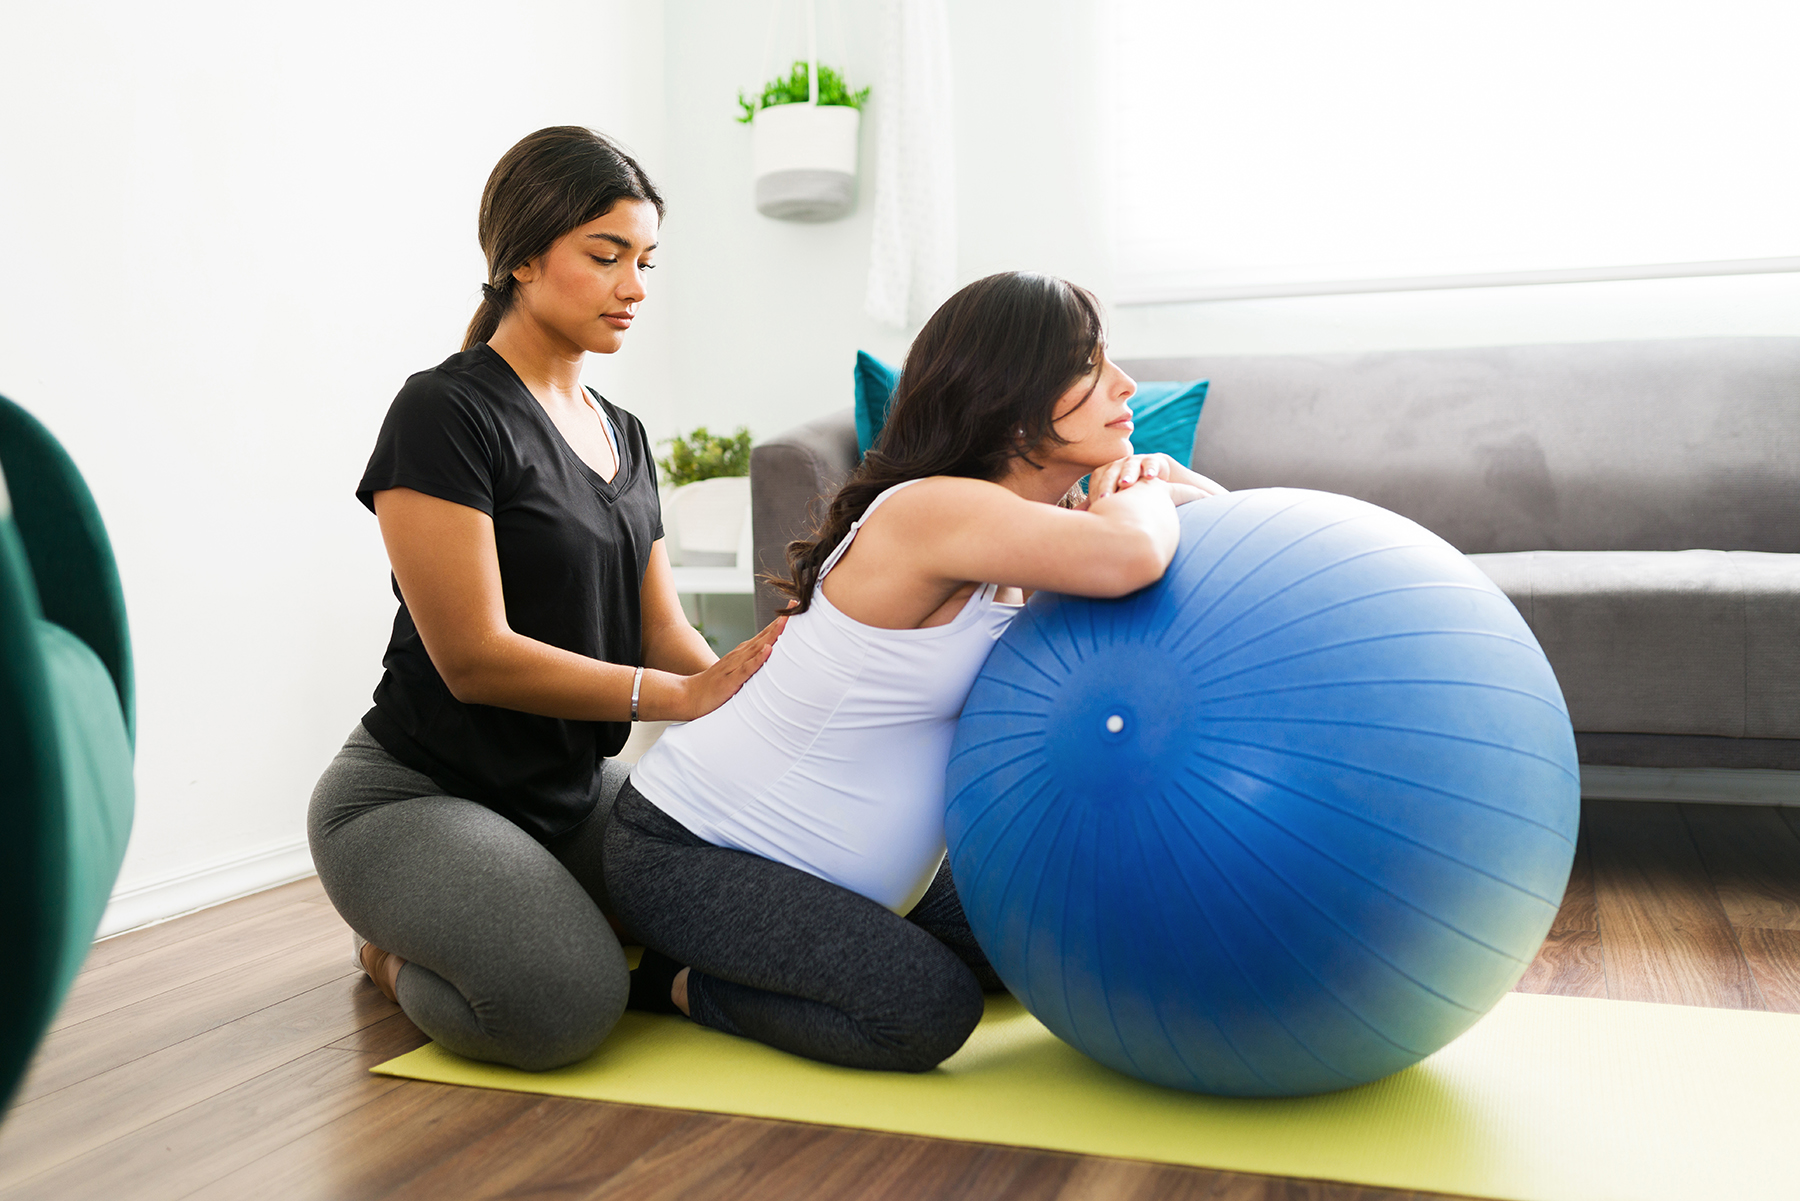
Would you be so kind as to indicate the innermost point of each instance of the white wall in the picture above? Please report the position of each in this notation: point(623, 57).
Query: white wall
point(768, 315)
point(231, 231)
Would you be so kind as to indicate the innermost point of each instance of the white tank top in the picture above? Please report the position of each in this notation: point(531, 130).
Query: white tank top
point(831, 758)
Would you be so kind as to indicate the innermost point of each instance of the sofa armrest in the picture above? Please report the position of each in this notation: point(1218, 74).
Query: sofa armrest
point(791, 475)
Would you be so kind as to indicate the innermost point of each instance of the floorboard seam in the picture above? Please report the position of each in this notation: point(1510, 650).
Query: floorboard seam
point(240, 965)
point(202, 1034)
point(298, 1133)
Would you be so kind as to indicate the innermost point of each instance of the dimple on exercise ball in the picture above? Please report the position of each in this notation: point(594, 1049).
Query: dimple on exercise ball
point(1286, 821)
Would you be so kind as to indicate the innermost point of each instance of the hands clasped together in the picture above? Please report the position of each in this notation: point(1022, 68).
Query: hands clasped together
point(1158, 469)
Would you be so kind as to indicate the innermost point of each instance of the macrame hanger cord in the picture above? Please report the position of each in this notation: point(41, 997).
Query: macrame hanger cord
point(768, 47)
point(843, 47)
point(812, 52)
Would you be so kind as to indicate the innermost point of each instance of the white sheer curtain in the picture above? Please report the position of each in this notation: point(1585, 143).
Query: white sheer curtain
point(912, 253)
point(1287, 147)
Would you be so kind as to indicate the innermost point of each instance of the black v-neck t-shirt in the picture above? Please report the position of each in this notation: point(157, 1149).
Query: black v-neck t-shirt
point(572, 549)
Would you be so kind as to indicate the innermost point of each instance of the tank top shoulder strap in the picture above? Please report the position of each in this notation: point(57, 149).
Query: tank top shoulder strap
point(838, 552)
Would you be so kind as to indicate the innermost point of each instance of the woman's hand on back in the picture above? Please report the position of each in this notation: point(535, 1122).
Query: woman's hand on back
point(445, 561)
point(1120, 474)
point(697, 695)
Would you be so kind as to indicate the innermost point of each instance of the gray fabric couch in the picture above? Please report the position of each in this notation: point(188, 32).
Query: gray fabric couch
point(1638, 501)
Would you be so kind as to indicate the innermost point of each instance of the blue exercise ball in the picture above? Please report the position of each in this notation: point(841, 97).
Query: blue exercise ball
point(1286, 821)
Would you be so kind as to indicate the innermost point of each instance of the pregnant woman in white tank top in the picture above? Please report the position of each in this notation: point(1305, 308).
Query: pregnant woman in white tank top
point(782, 857)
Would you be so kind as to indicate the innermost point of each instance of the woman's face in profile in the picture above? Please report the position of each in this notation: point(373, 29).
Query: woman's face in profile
point(587, 286)
point(1096, 425)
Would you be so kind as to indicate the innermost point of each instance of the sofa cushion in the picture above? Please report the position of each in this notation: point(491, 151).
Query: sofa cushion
point(1675, 642)
point(1656, 445)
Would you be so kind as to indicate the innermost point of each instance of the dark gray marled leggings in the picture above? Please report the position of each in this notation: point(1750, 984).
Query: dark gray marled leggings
point(791, 960)
point(509, 958)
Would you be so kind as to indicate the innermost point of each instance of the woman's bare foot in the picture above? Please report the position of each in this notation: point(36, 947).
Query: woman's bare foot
point(678, 991)
point(384, 969)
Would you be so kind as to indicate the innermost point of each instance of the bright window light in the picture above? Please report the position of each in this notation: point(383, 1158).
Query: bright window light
point(1295, 147)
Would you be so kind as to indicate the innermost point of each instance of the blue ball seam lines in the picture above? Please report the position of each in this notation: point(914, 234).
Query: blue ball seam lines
point(1382, 775)
point(1240, 581)
point(1376, 885)
point(1033, 628)
point(1273, 1011)
point(1187, 971)
point(1433, 586)
point(1219, 560)
point(1020, 811)
point(1214, 631)
point(1033, 625)
point(1272, 719)
point(1310, 651)
point(1320, 685)
point(1279, 878)
point(1287, 881)
point(1037, 896)
point(1112, 1019)
point(998, 766)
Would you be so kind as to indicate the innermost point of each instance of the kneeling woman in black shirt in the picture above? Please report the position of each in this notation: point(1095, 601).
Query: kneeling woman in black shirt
point(458, 831)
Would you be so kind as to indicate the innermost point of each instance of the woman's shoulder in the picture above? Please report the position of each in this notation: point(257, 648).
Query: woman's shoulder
point(465, 377)
point(944, 491)
point(920, 511)
point(464, 391)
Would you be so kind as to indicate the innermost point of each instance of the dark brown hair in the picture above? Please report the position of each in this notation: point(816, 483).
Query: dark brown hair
point(978, 390)
point(551, 182)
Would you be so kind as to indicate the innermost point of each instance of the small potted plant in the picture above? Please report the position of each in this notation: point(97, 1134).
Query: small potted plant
point(706, 497)
point(803, 143)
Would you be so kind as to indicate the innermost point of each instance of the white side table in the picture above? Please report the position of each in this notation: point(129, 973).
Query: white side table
point(713, 581)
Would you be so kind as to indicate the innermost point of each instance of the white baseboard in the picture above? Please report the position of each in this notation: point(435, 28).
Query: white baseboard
point(209, 884)
point(1719, 785)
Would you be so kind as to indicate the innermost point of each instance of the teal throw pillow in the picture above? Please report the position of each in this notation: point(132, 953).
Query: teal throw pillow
point(875, 382)
point(1163, 413)
point(1164, 416)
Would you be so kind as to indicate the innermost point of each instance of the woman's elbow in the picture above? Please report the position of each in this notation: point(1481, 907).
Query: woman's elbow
point(465, 676)
point(1139, 565)
point(462, 685)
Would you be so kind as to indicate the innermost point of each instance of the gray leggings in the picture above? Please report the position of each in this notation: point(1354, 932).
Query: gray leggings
point(509, 957)
point(791, 960)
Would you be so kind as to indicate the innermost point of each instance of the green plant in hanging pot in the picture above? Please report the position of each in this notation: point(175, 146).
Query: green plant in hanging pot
point(796, 88)
point(803, 144)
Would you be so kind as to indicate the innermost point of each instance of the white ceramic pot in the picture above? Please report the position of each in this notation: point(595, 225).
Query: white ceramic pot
point(804, 159)
point(708, 522)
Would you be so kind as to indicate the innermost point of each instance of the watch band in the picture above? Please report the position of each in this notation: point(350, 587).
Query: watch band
point(637, 682)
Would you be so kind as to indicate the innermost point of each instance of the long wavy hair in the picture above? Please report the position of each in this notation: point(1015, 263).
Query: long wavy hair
point(551, 182)
point(978, 390)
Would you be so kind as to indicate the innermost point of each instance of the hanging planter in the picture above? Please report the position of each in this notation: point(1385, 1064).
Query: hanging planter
point(804, 159)
point(803, 132)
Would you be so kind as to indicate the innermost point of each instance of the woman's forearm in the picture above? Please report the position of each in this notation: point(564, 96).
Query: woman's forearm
point(1142, 537)
point(677, 647)
point(511, 671)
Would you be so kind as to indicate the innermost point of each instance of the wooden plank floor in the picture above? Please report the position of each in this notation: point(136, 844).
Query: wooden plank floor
point(225, 1055)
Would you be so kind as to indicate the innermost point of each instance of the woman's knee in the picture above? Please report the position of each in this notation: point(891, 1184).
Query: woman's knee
point(936, 1024)
point(547, 1019)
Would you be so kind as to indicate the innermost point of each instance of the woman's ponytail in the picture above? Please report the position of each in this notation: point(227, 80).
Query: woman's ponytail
point(495, 303)
point(551, 182)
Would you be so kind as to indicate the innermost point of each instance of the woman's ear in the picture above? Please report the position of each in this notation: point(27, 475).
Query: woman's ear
point(528, 270)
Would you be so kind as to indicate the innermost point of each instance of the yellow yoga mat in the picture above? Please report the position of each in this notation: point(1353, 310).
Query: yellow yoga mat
point(1546, 1099)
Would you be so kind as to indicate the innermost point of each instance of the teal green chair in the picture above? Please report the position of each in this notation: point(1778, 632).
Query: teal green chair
point(66, 729)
